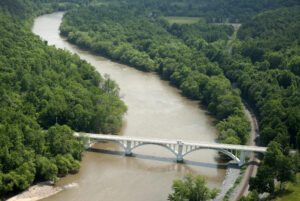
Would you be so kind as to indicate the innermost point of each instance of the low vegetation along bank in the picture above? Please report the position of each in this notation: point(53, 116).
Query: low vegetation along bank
point(45, 94)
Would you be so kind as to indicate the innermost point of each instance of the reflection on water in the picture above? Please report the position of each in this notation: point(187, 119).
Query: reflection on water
point(156, 110)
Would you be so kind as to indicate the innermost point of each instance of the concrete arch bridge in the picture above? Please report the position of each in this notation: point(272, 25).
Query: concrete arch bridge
point(179, 148)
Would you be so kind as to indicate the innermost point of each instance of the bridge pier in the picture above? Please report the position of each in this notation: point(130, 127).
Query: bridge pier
point(179, 152)
point(128, 148)
point(87, 144)
point(242, 158)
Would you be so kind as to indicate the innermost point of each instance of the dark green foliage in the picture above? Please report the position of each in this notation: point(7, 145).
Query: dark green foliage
point(193, 34)
point(42, 88)
point(270, 81)
point(211, 10)
point(192, 188)
point(46, 169)
point(265, 67)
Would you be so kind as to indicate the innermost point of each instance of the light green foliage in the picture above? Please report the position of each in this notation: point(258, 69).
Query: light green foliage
point(252, 196)
point(191, 188)
point(234, 126)
point(291, 191)
point(182, 20)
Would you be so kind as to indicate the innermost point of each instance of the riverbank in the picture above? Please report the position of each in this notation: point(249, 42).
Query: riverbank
point(37, 192)
point(232, 174)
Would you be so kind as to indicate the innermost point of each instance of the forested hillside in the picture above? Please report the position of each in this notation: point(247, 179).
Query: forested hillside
point(44, 94)
point(269, 73)
point(265, 65)
point(235, 11)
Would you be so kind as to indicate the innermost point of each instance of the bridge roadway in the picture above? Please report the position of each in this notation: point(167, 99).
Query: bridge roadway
point(179, 148)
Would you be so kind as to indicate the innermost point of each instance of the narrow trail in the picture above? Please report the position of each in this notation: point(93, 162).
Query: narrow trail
point(233, 37)
point(243, 187)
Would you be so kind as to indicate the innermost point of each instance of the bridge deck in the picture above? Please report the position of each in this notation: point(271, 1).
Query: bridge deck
point(207, 145)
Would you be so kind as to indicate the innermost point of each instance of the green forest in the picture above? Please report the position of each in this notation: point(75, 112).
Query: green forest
point(236, 11)
point(47, 93)
point(262, 62)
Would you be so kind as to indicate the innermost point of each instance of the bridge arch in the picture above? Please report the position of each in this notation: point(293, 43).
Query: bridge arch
point(120, 144)
point(161, 145)
point(231, 155)
point(128, 150)
point(114, 141)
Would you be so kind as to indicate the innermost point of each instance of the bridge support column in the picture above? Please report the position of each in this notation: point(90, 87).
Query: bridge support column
point(87, 144)
point(242, 158)
point(128, 148)
point(179, 152)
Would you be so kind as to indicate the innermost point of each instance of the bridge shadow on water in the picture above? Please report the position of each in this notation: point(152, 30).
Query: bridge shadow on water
point(162, 159)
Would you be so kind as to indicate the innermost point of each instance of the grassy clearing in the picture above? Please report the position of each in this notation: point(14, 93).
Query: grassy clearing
point(182, 20)
point(291, 192)
point(96, 3)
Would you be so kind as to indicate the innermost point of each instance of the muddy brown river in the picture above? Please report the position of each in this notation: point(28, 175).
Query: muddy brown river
point(155, 109)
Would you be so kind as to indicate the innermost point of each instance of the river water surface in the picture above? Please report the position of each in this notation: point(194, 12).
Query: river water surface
point(155, 109)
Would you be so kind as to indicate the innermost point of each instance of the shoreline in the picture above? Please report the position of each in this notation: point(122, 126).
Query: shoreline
point(37, 192)
point(232, 174)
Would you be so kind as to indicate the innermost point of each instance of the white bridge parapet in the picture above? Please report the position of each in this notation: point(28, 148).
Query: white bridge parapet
point(179, 148)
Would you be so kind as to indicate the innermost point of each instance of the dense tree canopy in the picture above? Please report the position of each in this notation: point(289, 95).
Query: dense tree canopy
point(265, 66)
point(191, 188)
point(45, 94)
point(211, 10)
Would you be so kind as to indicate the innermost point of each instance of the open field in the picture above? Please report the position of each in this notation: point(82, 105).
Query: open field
point(182, 20)
point(292, 191)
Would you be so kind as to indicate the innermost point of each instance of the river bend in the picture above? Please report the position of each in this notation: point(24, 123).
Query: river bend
point(155, 109)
